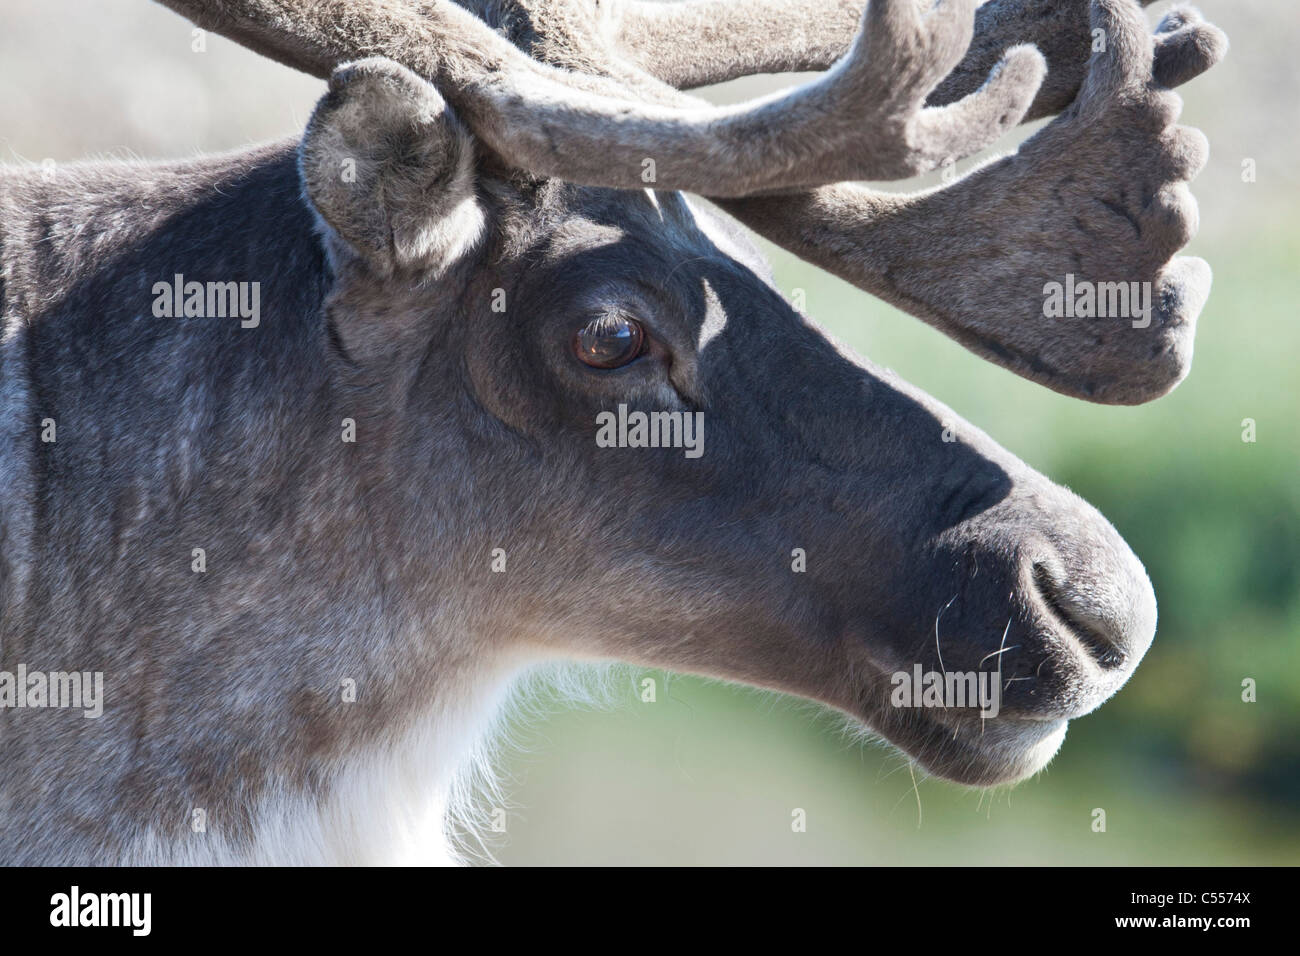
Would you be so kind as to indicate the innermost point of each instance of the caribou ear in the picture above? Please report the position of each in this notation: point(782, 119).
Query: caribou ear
point(390, 169)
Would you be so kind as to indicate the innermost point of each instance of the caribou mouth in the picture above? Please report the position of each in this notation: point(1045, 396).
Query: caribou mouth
point(982, 753)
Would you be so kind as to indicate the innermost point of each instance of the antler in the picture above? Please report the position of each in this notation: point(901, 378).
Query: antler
point(698, 42)
point(1096, 199)
point(865, 119)
point(1098, 195)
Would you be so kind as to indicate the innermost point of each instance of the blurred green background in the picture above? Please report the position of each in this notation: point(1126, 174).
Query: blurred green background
point(709, 773)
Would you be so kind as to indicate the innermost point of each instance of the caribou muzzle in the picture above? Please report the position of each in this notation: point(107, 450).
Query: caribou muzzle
point(1039, 612)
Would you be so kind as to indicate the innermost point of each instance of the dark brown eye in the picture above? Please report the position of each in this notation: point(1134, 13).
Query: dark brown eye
point(609, 341)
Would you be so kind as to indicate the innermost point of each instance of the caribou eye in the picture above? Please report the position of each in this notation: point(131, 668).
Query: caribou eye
point(609, 341)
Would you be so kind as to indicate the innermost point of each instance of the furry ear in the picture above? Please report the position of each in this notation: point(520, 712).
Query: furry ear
point(390, 169)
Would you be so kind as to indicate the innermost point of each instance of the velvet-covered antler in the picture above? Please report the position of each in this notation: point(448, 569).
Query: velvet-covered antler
point(1091, 209)
point(865, 119)
point(1097, 201)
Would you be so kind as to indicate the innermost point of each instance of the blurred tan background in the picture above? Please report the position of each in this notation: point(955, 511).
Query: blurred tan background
point(1186, 771)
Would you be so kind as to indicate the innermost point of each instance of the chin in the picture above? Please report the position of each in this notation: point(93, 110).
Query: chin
point(974, 752)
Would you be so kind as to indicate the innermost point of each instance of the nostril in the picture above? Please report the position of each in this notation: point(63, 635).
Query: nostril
point(1091, 636)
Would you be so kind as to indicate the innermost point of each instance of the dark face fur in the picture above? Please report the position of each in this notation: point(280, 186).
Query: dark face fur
point(923, 542)
point(836, 528)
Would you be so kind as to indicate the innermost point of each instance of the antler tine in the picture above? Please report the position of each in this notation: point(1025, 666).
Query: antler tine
point(863, 120)
point(694, 43)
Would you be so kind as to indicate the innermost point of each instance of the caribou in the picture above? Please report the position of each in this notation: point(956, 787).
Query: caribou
point(310, 555)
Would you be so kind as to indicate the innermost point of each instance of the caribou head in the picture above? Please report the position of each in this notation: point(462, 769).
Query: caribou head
point(588, 426)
